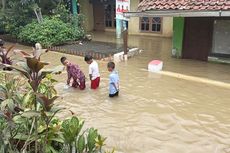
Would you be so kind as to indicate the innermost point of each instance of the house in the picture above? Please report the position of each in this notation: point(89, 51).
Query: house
point(201, 28)
point(101, 16)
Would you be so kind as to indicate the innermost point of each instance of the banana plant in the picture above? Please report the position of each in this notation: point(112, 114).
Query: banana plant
point(91, 140)
point(88, 141)
point(71, 129)
point(81, 144)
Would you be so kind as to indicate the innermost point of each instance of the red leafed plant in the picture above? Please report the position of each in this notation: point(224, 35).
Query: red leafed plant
point(4, 54)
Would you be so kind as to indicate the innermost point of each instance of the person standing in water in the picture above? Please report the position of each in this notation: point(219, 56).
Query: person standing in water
point(113, 80)
point(74, 73)
point(94, 74)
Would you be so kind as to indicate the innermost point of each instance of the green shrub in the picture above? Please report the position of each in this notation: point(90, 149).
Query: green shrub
point(28, 121)
point(15, 16)
point(2, 24)
point(50, 32)
point(62, 13)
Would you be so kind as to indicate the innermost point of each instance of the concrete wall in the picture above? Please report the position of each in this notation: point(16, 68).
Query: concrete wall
point(86, 9)
point(134, 24)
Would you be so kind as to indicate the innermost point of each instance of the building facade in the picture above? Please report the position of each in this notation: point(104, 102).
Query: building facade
point(101, 16)
point(201, 28)
point(202, 37)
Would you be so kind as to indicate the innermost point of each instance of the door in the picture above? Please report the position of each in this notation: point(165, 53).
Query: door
point(221, 37)
point(110, 15)
point(197, 38)
point(99, 16)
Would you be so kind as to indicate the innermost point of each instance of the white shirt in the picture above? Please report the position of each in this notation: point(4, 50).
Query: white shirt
point(94, 70)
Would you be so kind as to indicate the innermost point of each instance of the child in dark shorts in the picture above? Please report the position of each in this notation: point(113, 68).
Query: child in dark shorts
point(113, 80)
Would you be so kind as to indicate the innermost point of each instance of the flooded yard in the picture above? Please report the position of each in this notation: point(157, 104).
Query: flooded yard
point(184, 109)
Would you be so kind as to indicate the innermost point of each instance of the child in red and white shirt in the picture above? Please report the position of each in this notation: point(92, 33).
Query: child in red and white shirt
point(94, 74)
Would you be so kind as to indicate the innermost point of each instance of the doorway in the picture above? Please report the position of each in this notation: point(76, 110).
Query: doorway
point(104, 14)
point(197, 38)
point(99, 13)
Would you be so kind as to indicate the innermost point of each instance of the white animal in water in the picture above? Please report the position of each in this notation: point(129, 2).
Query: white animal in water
point(66, 86)
point(38, 51)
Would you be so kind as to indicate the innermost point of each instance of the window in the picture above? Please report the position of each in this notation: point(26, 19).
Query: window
point(156, 24)
point(110, 21)
point(145, 24)
point(148, 24)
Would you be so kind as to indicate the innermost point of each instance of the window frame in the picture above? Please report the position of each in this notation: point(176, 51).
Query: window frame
point(113, 16)
point(150, 26)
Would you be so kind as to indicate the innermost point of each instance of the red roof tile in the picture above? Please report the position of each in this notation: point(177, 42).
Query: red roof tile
point(210, 5)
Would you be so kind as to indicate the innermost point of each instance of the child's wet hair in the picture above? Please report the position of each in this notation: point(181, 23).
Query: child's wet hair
point(111, 65)
point(88, 58)
point(63, 59)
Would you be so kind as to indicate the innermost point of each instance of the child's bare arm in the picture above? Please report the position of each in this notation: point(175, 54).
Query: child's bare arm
point(69, 78)
point(90, 76)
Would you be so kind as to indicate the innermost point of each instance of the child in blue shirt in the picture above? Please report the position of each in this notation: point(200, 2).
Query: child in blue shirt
point(113, 80)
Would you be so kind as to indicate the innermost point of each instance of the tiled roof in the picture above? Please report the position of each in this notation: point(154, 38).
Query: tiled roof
point(198, 5)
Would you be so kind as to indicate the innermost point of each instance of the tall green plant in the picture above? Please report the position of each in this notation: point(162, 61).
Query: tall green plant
point(11, 101)
point(34, 72)
point(46, 87)
point(15, 16)
point(27, 115)
point(88, 141)
point(52, 31)
point(19, 134)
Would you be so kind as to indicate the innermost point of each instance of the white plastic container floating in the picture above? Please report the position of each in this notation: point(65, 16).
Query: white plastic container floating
point(66, 87)
point(155, 66)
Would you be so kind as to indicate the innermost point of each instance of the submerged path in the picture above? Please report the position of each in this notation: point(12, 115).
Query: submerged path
point(155, 113)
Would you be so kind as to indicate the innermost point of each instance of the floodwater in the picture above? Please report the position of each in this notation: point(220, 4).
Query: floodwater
point(184, 109)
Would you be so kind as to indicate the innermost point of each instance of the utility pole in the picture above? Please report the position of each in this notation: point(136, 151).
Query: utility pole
point(125, 40)
point(74, 7)
point(74, 11)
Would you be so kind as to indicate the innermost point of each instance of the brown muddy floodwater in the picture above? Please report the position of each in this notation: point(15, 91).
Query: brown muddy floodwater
point(185, 109)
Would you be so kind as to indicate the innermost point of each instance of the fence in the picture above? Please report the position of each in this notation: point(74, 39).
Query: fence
point(95, 55)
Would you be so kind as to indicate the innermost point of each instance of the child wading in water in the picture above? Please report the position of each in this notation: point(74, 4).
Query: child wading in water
point(94, 74)
point(74, 73)
point(113, 80)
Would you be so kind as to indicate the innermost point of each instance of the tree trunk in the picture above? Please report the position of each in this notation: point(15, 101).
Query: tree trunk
point(3, 5)
point(38, 14)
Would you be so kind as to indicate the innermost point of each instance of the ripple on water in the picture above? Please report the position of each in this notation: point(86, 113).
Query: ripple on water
point(156, 113)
